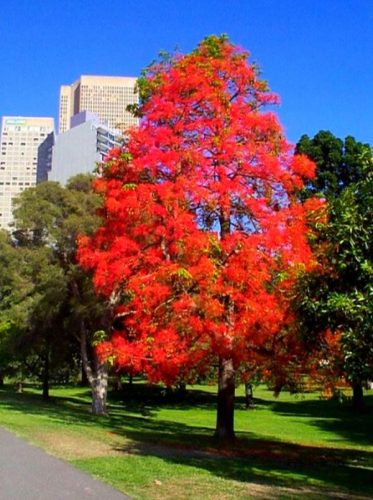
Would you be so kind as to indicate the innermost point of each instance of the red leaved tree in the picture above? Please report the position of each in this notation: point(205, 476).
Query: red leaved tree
point(201, 233)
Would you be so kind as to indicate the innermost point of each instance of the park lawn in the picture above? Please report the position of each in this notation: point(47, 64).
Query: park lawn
point(154, 445)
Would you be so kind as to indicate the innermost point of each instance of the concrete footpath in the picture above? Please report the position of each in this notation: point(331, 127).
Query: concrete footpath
point(28, 473)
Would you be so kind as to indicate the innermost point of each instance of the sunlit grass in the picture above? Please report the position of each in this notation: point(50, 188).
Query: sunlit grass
point(157, 445)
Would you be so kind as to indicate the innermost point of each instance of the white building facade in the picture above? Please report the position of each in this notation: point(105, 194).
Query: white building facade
point(20, 139)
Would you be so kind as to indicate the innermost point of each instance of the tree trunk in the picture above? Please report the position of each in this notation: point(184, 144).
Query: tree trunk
point(83, 377)
point(46, 377)
point(97, 375)
point(117, 383)
point(226, 390)
point(357, 395)
point(1, 380)
point(249, 398)
point(99, 390)
point(181, 389)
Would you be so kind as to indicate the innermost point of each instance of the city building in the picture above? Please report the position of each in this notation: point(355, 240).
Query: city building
point(45, 151)
point(20, 139)
point(106, 96)
point(79, 149)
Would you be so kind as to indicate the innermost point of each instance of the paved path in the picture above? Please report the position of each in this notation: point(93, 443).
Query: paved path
point(28, 473)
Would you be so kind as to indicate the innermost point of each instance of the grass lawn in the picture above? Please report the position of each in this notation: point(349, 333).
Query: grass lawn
point(151, 447)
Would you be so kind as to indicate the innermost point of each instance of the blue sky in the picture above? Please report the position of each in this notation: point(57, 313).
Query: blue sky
point(316, 54)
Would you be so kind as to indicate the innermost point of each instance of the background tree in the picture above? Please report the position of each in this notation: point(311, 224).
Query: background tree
point(48, 219)
point(335, 299)
point(338, 163)
point(198, 221)
point(12, 292)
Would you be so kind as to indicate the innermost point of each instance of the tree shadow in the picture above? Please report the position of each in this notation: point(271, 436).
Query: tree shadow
point(277, 464)
point(136, 396)
point(334, 417)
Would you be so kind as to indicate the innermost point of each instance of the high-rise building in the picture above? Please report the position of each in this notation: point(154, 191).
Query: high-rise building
point(20, 140)
point(45, 151)
point(79, 149)
point(106, 96)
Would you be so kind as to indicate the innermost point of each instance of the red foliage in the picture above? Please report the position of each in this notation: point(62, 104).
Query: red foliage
point(201, 232)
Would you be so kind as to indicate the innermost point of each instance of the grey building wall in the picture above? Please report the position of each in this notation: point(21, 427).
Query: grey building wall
point(78, 150)
point(45, 158)
point(74, 152)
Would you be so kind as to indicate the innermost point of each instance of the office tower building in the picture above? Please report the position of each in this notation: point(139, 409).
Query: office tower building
point(45, 151)
point(106, 96)
point(20, 140)
point(79, 149)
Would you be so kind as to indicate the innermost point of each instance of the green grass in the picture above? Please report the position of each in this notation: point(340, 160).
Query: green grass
point(152, 446)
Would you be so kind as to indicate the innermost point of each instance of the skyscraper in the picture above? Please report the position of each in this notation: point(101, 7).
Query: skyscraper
point(106, 96)
point(20, 139)
point(45, 154)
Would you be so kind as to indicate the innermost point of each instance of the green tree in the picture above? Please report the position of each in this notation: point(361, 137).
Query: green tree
point(43, 341)
point(338, 162)
point(20, 294)
point(10, 294)
point(48, 220)
point(338, 295)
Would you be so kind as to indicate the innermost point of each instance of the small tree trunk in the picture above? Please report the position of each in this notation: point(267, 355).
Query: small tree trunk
point(117, 383)
point(226, 391)
point(181, 389)
point(99, 390)
point(249, 399)
point(1, 380)
point(46, 377)
point(357, 395)
point(83, 377)
point(97, 375)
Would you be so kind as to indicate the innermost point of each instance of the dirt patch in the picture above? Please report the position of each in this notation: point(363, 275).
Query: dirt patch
point(71, 445)
point(217, 490)
point(183, 490)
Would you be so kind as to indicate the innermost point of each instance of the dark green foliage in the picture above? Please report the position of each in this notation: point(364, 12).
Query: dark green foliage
point(338, 295)
point(351, 298)
point(338, 162)
point(40, 311)
point(12, 290)
point(66, 311)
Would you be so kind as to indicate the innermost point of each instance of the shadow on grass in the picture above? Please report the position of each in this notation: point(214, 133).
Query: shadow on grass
point(144, 397)
point(332, 416)
point(249, 459)
point(280, 465)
